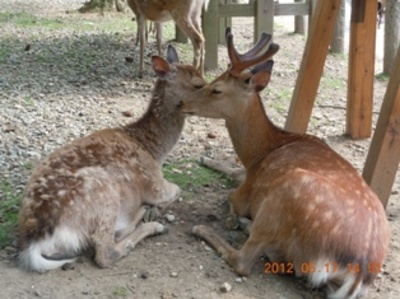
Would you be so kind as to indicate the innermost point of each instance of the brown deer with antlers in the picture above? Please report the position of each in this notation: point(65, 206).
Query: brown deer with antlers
point(312, 213)
point(154, 27)
point(91, 193)
point(185, 13)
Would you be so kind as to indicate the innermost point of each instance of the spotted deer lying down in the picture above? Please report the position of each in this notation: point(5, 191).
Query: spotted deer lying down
point(313, 214)
point(91, 193)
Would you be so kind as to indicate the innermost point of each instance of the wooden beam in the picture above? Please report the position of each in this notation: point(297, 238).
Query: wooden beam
point(384, 153)
point(223, 23)
point(361, 68)
point(292, 9)
point(247, 10)
point(218, 15)
point(210, 18)
point(264, 18)
point(180, 37)
point(321, 32)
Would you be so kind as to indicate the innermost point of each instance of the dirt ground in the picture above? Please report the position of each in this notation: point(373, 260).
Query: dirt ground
point(176, 264)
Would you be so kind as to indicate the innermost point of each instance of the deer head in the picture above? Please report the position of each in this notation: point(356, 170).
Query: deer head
point(234, 85)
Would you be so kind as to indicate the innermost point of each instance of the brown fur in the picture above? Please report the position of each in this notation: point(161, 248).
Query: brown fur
point(307, 203)
point(185, 13)
point(91, 192)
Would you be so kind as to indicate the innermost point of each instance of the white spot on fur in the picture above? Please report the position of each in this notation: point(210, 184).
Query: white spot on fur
point(122, 221)
point(328, 216)
point(61, 193)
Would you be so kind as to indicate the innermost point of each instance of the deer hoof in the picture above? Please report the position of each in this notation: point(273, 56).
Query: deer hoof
point(232, 222)
point(151, 214)
point(160, 229)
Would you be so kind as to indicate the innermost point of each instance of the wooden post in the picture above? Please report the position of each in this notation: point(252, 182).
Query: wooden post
point(211, 35)
point(264, 18)
point(321, 32)
point(262, 11)
point(361, 68)
point(384, 153)
point(223, 23)
point(180, 37)
point(299, 23)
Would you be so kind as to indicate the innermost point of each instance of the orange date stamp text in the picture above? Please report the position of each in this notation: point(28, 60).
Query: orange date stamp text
point(311, 267)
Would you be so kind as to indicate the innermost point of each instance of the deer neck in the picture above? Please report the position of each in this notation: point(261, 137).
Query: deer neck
point(160, 127)
point(253, 135)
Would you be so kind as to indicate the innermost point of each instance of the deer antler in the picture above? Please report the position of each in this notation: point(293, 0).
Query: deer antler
point(240, 62)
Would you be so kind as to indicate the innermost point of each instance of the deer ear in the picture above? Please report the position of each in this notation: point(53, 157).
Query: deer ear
point(260, 80)
point(265, 66)
point(172, 55)
point(160, 66)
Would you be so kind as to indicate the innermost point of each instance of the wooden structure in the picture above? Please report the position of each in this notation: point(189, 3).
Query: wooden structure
point(218, 15)
point(384, 153)
point(361, 67)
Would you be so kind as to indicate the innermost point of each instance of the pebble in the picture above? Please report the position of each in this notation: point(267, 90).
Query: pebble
point(170, 218)
point(168, 295)
point(211, 135)
point(174, 274)
point(144, 275)
point(225, 287)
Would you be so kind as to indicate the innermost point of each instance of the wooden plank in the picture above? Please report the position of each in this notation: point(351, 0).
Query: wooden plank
point(180, 37)
point(321, 31)
point(211, 45)
point(247, 10)
point(292, 9)
point(264, 18)
point(384, 153)
point(223, 23)
point(236, 10)
point(361, 68)
point(262, 10)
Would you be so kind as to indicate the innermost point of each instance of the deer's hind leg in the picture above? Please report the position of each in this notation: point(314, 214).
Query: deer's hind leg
point(108, 251)
point(240, 260)
point(196, 37)
point(122, 233)
point(237, 174)
point(110, 246)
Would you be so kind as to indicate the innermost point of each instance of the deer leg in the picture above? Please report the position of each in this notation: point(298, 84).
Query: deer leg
point(239, 206)
point(240, 260)
point(108, 252)
point(159, 28)
point(165, 195)
point(238, 174)
point(197, 40)
point(122, 233)
point(196, 20)
point(232, 221)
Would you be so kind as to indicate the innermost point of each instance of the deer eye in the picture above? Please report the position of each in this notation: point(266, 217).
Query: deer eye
point(216, 91)
point(198, 86)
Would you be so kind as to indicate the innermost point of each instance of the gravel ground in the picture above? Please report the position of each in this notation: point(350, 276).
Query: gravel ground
point(63, 82)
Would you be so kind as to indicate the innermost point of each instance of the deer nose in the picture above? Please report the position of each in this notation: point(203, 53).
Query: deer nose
point(179, 105)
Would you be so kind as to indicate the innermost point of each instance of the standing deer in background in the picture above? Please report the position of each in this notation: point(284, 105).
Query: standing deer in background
point(157, 27)
point(312, 212)
point(185, 13)
point(91, 193)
